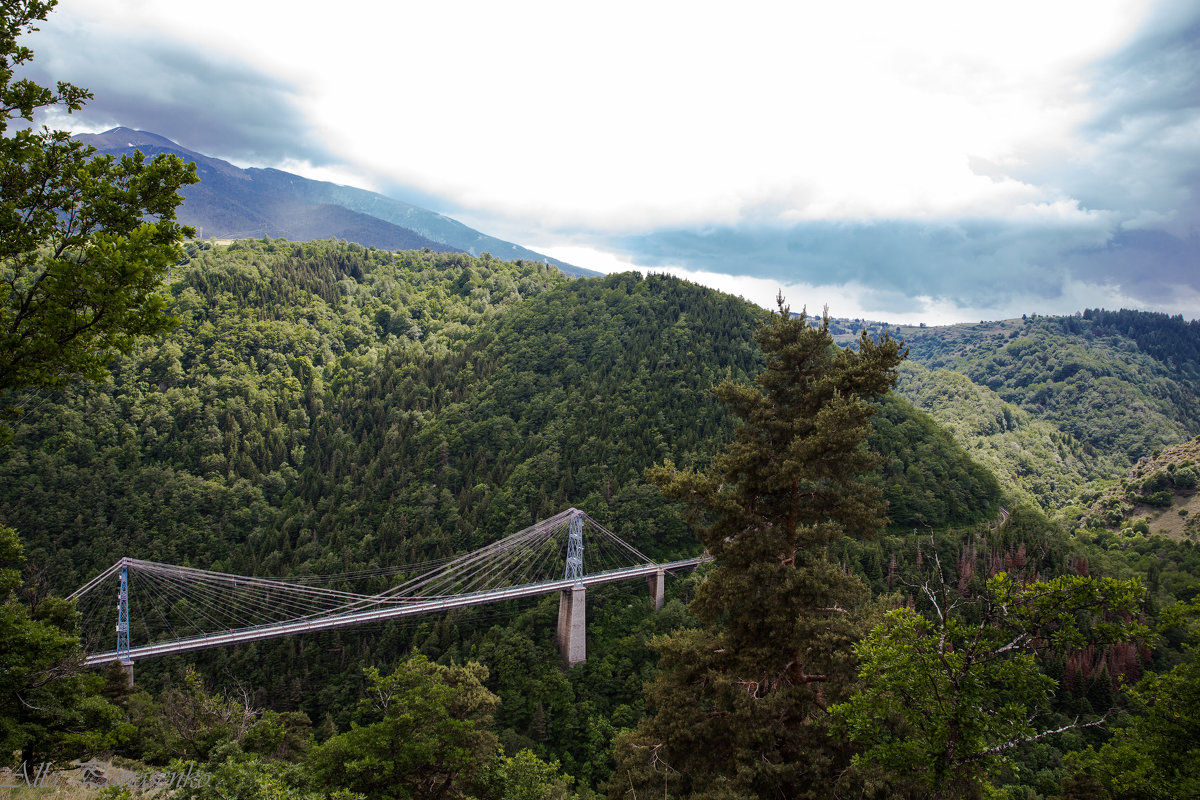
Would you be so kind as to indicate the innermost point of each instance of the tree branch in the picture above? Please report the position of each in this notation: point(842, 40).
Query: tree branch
point(1010, 744)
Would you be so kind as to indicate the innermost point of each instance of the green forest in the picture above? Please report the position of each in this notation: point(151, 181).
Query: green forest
point(323, 409)
point(954, 562)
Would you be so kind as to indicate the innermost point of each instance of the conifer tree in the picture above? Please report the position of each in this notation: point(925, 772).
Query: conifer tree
point(739, 708)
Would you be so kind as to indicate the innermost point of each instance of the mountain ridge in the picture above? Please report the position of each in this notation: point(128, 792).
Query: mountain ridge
point(232, 202)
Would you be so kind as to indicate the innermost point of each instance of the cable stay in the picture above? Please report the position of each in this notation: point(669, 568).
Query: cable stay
point(164, 608)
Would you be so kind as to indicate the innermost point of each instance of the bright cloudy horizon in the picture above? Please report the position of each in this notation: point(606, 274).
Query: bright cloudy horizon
point(932, 162)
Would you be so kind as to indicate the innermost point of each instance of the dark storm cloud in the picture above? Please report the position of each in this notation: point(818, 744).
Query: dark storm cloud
point(1155, 76)
point(203, 102)
point(979, 263)
point(1148, 265)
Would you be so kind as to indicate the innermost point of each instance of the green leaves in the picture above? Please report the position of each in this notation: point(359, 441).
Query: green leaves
point(943, 696)
point(84, 242)
point(49, 708)
point(19, 99)
point(429, 736)
point(1156, 752)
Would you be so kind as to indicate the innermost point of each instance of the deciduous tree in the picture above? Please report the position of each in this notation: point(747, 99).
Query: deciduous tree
point(84, 245)
point(85, 241)
point(946, 694)
point(428, 736)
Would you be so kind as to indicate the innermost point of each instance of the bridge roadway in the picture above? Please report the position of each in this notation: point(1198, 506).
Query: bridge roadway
point(411, 608)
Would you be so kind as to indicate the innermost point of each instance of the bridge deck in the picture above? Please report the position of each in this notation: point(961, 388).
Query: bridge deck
point(405, 609)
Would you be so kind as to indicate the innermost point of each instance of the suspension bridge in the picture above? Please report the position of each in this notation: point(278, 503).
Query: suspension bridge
point(183, 609)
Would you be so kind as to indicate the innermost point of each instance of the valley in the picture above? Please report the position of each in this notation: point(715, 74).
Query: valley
point(330, 408)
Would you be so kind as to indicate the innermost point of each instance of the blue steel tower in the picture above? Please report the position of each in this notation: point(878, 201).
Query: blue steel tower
point(575, 548)
point(123, 618)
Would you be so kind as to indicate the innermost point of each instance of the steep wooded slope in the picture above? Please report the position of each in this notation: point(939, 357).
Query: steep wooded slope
point(1051, 404)
point(325, 408)
point(1086, 375)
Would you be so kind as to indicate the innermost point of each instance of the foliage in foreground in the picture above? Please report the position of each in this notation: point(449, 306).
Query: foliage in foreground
point(944, 696)
point(84, 242)
point(1156, 753)
point(50, 708)
point(424, 733)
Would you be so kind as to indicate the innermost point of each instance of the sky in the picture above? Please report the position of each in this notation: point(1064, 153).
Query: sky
point(912, 162)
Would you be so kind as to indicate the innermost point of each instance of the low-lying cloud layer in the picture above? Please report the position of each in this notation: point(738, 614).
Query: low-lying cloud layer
point(977, 264)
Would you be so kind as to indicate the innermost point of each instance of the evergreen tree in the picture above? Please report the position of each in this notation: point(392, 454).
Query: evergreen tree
point(740, 705)
point(1156, 753)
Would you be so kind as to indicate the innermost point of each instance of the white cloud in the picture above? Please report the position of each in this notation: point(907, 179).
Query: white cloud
point(961, 153)
point(629, 116)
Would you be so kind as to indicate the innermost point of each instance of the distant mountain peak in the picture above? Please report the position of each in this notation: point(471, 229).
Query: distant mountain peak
point(235, 203)
point(127, 137)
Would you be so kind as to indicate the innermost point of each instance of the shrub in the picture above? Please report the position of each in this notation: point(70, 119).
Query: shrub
point(1185, 478)
point(1161, 499)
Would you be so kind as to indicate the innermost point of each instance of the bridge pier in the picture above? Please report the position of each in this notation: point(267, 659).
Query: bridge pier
point(657, 584)
point(572, 625)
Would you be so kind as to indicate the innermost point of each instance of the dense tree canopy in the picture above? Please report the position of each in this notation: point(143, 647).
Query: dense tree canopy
point(1113, 398)
point(1156, 751)
point(946, 694)
point(426, 735)
point(323, 408)
point(49, 707)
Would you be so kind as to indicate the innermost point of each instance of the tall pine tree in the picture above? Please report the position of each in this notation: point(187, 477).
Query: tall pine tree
point(740, 705)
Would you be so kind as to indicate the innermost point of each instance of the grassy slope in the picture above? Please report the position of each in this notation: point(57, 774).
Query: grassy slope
point(1152, 493)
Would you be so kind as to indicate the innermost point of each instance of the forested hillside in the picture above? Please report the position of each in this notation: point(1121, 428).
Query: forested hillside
point(197, 435)
point(971, 575)
point(1035, 460)
point(1053, 405)
point(324, 408)
point(1123, 388)
point(324, 404)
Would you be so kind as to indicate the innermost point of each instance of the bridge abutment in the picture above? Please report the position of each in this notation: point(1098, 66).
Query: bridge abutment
point(572, 625)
